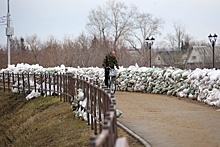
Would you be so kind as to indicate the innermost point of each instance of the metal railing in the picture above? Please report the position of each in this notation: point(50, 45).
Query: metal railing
point(100, 106)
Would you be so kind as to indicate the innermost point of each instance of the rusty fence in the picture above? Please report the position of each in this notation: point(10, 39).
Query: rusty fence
point(100, 104)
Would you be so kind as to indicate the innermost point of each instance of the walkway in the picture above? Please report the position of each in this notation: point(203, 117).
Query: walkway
point(165, 121)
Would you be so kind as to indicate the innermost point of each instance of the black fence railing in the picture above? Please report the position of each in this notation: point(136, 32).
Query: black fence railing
point(100, 104)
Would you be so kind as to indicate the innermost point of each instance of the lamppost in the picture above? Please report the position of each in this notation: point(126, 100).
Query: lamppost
point(212, 39)
point(150, 43)
point(9, 33)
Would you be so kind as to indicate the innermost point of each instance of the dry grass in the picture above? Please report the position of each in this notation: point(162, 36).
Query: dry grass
point(42, 122)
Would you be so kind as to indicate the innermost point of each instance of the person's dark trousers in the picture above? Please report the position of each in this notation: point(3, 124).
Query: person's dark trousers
point(107, 77)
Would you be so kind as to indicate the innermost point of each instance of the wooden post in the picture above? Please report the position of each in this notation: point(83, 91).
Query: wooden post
point(8, 82)
point(100, 110)
point(49, 82)
point(57, 78)
point(3, 78)
point(94, 99)
point(92, 141)
point(18, 83)
point(28, 77)
point(45, 84)
point(13, 79)
point(41, 84)
point(35, 86)
point(91, 103)
point(88, 99)
point(22, 75)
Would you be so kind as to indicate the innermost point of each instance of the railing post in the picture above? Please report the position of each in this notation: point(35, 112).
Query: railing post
point(113, 123)
point(13, 79)
point(66, 86)
point(70, 87)
point(60, 86)
point(92, 141)
point(23, 84)
point(3, 80)
point(88, 99)
point(41, 83)
point(108, 127)
point(35, 87)
point(94, 99)
point(49, 82)
point(104, 98)
point(45, 83)
point(28, 78)
point(100, 109)
point(8, 81)
point(54, 87)
point(91, 103)
point(107, 99)
point(77, 82)
point(74, 87)
point(18, 83)
point(64, 89)
point(115, 119)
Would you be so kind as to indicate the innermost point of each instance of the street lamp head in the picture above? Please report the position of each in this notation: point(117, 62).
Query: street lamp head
point(210, 37)
point(147, 42)
point(152, 40)
point(147, 39)
point(215, 37)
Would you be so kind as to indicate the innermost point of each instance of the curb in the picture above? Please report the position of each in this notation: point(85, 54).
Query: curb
point(133, 134)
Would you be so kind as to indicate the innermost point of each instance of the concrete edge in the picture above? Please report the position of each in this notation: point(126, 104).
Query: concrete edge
point(133, 134)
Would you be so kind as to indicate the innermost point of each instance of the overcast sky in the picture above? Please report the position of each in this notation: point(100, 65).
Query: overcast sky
point(68, 17)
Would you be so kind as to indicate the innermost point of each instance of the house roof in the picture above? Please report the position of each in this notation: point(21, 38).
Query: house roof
point(200, 54)
point(170, 56)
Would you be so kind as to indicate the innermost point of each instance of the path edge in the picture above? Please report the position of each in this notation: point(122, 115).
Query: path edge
point(133, 134)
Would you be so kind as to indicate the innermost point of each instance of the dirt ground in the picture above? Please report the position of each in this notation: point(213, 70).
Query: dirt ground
point(169, 121)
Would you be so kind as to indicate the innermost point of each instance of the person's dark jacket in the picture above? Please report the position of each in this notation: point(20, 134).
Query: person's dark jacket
point(109, 62)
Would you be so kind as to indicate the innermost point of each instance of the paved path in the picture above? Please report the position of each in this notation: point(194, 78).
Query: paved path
point(165, 121)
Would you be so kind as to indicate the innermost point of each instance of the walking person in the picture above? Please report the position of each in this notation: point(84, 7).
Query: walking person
point(109, 63)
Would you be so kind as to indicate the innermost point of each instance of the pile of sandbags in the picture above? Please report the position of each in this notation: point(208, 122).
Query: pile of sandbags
point(200, 84)
point(152, 80)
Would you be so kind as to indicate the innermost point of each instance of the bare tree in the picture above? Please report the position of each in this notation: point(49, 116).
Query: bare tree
point(3, 57)
point(176, 39)
point(172, 41)
point(111, 21)
point(51, 53)
point(98, 25)
point(34, 44)
point(71, 53)
point(180, 33)
point(116, 25)
point(75, 52)
point(145, 26)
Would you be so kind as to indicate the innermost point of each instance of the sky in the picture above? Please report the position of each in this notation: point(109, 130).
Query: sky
point(60, 18)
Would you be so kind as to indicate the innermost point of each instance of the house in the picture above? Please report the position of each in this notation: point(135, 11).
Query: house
point(164, 58)
point(169, 58)
point(134, 52)
point(202, 57)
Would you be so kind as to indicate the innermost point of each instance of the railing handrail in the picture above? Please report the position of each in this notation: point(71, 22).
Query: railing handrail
point(66, 87)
